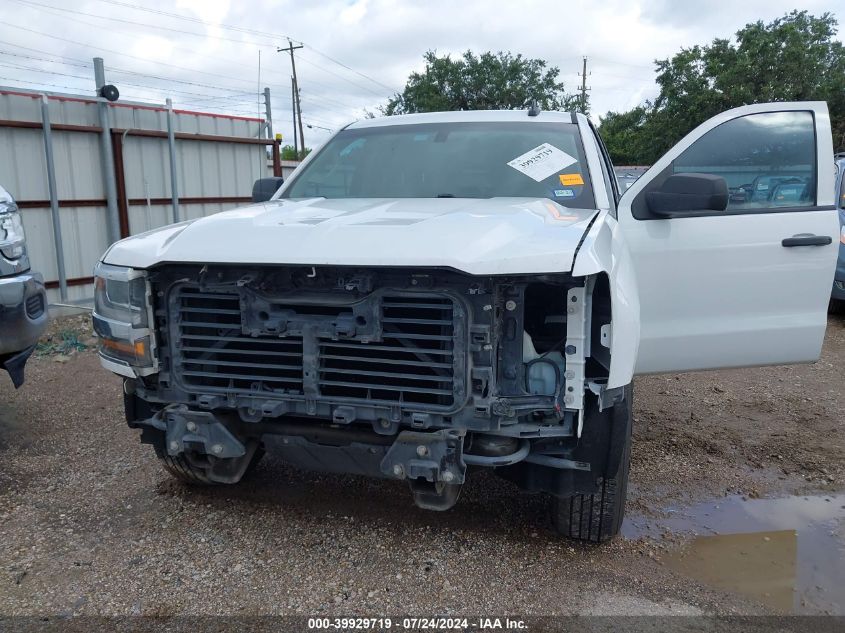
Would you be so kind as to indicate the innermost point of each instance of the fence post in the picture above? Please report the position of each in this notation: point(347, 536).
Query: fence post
point(117, 142)
point(108, 157)
point(277, 157)
point(171, 146)
point(54, 197)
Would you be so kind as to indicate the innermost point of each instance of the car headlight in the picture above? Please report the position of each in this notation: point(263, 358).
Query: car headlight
point(122, 319)
point(12, 238)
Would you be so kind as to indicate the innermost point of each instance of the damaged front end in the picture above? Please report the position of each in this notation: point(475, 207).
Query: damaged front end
point(406, 374)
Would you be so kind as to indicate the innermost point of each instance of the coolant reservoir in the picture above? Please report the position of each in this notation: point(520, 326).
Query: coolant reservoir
point(543, 372)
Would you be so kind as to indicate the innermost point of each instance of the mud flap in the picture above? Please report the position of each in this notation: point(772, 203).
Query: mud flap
point(15, 366)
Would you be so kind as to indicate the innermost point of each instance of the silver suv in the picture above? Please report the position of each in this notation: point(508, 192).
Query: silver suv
point(23, 302)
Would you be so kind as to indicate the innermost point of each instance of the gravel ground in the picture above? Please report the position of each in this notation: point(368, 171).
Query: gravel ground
point(90, 524)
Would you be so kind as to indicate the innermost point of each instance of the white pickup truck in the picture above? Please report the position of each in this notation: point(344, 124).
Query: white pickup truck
point(434, 292)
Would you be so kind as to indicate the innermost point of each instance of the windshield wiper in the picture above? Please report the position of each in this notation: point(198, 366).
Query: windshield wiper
point(445, 195)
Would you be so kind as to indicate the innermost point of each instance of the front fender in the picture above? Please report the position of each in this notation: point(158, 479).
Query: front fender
point(604, 251)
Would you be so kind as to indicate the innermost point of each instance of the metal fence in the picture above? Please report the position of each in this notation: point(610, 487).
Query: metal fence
point(113, 174)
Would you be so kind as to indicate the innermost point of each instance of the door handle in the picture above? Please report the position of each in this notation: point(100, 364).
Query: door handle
point(807, 240)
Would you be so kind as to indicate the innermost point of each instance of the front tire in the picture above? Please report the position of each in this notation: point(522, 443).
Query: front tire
point(180, 468)
point(198, 471)
point(597, 517)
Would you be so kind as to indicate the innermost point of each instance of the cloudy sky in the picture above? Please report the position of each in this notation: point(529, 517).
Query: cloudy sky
point(204, 54)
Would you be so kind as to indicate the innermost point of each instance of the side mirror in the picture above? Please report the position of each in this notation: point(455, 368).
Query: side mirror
point(682, 194)
point(265, 188)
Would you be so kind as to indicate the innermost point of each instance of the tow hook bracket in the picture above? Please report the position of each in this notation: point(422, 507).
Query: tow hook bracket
point(436, 457)
point(199, 431)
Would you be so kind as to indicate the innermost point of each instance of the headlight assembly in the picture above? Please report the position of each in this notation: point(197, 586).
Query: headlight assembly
point(12, 239)
point(122, 320)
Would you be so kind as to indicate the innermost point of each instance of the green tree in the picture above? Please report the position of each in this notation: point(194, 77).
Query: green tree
point(490, 81)
point(289, 152)
point(622, 133)
point(793, 58)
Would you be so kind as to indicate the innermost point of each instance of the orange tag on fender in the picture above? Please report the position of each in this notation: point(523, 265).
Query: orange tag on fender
point(571, 179)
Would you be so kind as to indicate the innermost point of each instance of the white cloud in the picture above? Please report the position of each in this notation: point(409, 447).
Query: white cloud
point(153, 46)
point(382, 39)
point(354, 13)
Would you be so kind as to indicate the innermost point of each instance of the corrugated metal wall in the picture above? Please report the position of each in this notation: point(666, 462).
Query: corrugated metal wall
point(212, 174)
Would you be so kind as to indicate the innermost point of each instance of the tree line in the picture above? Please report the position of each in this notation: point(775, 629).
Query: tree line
point(793, 58)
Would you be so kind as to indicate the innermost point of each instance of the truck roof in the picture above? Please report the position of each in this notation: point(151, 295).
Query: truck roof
point(549, 116)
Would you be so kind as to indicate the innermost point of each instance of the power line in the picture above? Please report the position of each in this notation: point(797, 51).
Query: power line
point(192, 70)
point(160, 63)
point(186, 18)
point(203, 96)
point(318, 103)
point(332, 59)
point(240, 29)
point(50, 8)
point(612, 62)
point(241, 95)
point(326, 70)
point(263, 34)
point(70, 61)
point(40, 84)
point(133, 22)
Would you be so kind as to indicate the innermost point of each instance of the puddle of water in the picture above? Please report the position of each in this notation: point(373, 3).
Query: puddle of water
point(787, 553)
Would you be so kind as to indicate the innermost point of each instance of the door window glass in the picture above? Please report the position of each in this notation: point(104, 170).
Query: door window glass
point(768, 160)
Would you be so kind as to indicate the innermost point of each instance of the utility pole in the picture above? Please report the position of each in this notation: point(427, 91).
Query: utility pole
point(584, 87)
point(293, 107)
point(297, 108)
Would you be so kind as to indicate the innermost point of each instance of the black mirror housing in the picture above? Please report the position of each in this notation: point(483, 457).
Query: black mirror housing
point(682, 194)
point(265, 188)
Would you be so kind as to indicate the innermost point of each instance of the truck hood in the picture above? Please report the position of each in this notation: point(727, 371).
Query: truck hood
point(478, 236)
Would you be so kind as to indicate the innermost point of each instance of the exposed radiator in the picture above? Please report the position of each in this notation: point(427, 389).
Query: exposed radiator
point(412, 363)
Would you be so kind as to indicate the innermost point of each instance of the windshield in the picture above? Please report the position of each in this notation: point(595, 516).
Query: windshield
point(451, 160)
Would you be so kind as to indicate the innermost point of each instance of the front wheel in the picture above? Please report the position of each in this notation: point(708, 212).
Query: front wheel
point(202, 470)
point(597, 517)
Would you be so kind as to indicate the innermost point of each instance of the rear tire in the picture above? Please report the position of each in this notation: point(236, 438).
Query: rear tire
point(836, 306)
point(597, 517)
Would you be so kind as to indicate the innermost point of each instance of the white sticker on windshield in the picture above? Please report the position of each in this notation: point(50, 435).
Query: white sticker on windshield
point(542, 161)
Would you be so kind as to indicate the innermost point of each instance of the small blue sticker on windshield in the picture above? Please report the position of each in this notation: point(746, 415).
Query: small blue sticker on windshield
point(564, 193)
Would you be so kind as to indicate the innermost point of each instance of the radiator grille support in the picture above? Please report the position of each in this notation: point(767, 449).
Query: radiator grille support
point(415, 362)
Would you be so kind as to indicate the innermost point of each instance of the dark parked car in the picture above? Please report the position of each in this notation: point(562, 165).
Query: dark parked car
point(23, 302)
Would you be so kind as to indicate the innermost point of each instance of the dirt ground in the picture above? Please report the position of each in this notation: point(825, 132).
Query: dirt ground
point(90, 524)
